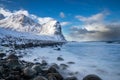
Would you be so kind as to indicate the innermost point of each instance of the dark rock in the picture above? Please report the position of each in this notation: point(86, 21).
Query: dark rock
point(56, 76)
point(92, 77)
point(2, 55)
point(58, 49)
point(44, 63)
point(52, 70)
point(13, 63)
point(37, 68)
point(29, 72)
point(12, 56)
point(18, 77)
point(71, 62)
point(64, 66)
point(50, 77)
point(71, 78)
point(10, 77)
point(55, 66)
point(40, 78)
point(60, 59)
point(35, 60)
point(20, 56)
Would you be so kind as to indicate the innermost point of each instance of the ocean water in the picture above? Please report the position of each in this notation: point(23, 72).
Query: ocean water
point(98, 58)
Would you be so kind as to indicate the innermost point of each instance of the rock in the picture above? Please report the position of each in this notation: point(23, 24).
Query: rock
point(64, 66)
point(71, 78)
point(51, 77)
point(13, 63)
point(29, 72)
point(2, 55)
point(44, 63)
point(10, 77)
point(58, 49)
point(40, 78)
point(92, 77)
point(60, 59)
point(55, 66)
point(55, 76)
point(37, 68)
point(71, 62)
point(12, 56)
point(52, 70)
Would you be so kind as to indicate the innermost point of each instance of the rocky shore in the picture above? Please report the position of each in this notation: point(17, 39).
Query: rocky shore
point(12, 68)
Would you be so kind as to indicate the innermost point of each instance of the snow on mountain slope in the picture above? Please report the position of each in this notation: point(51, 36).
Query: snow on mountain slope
point(20, 23)
point(53, 28)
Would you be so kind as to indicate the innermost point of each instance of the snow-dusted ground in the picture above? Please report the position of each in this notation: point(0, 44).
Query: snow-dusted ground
point(97, 58)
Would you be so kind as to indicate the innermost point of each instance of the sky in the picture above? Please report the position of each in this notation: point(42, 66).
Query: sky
point(81, 20)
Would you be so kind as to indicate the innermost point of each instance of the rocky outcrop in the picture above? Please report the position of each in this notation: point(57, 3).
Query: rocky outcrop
point(1, 16)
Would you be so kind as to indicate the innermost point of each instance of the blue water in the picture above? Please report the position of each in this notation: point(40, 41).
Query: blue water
point(98, 58)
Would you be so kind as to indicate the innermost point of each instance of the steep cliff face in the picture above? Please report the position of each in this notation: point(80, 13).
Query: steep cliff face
point(52, 28)
point(1, 16)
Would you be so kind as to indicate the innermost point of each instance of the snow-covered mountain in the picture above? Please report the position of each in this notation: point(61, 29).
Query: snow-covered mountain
point(20, 30)
point(20, 25)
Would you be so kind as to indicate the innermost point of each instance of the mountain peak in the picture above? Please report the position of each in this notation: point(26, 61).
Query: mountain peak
point(21, 18)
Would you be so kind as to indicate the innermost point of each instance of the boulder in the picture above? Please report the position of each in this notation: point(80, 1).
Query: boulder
point(37, 68)
point(44, 63)
point(40, 78)
point(92, 77)
point(29, 72)
point(12, 56)
point(13, 63)
point(64, 66)
point(71, 78)
point(2, 55)
point(56, 76)
point(60, 59)
point(71, 62)
point(55, 66)
point(52, 70)
point(50, 77)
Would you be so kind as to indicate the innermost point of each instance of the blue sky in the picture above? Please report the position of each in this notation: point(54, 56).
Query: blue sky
point(67, 10)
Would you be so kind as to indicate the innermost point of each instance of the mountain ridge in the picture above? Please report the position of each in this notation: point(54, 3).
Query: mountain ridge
point(20, 22)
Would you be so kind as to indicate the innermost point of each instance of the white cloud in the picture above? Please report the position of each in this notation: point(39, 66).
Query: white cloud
point(64, 23)
point(62, 14)
point(8, 1)
point(94, 18)
point(94, 28)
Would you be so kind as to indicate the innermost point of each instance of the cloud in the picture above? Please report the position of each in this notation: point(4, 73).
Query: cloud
point(7, 1)
point(94, 18)
point(64, 23)
point(62, 15)
point(94, 28)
